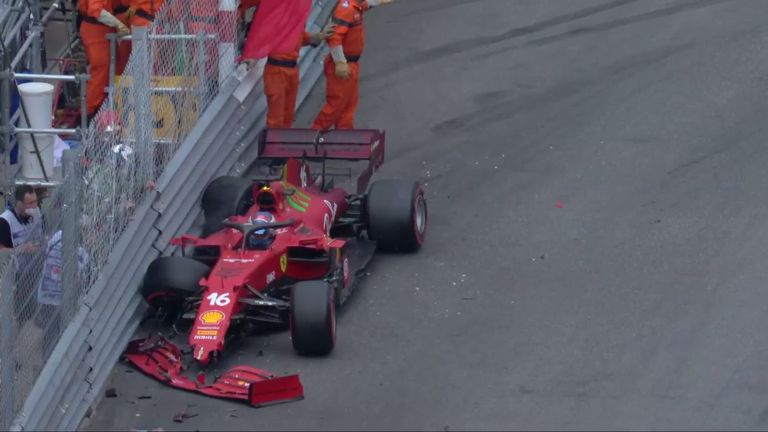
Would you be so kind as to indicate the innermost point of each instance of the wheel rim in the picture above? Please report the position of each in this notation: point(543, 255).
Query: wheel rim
point(420, 215)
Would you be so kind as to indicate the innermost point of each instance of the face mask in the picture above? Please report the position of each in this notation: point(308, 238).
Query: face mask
point(34, 212)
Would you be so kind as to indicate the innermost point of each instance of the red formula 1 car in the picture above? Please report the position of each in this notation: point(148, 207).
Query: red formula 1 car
point(285, 249)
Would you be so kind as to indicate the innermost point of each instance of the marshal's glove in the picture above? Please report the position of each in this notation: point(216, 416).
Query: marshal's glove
point(342, 70)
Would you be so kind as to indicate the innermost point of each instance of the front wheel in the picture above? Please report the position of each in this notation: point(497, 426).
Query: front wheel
point(170, 280)
point(313, 318)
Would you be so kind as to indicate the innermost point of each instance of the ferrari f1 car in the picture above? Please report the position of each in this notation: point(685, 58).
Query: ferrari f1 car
point(286, 248)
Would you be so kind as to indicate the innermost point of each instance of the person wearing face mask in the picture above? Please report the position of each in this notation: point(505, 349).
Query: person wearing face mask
point(21, 231)
point(17, 224)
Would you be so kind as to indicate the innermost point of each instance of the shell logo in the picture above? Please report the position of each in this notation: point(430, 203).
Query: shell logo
point(212, 317)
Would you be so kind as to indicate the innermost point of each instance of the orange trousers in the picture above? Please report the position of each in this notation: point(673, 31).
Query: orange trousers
point(281, 86)
point(94, 37)
point(341, 97)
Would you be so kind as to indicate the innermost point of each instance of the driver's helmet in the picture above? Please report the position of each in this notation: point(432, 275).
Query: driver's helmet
point(261, 238)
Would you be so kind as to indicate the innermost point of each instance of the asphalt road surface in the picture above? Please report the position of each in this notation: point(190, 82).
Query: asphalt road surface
point(598, 247)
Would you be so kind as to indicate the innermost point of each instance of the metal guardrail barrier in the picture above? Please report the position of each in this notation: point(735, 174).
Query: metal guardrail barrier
point(134, 223)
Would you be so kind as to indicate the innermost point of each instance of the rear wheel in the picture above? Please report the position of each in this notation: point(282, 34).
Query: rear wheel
point(169, 281)
point(224, 197)
point(313, 318)
point(397, 215)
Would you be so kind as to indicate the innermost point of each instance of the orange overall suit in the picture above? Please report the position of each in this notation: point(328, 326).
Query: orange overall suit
point(281, 85)
point(342, 91)
point(144, 11)
point(141, 13)
point(94, 33)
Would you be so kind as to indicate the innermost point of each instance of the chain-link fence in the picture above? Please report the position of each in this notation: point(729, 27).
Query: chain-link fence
point(33, 302)
point(172, 75)
point(174, 71)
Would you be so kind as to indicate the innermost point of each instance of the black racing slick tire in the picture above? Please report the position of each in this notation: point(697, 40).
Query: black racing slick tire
point(313, 318)
point(171, 280)
point(224, 197)
point(396, 212)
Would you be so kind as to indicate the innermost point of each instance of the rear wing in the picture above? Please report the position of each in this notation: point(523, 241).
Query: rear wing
point(341, 144)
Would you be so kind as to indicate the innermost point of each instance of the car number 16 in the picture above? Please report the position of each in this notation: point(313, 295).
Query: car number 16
point(217, 299)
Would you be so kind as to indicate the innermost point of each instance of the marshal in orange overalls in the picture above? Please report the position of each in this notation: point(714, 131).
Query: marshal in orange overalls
point(281, 85)
point(141, 13)
point(342, 93)
point(144, 11)
point(94, 36)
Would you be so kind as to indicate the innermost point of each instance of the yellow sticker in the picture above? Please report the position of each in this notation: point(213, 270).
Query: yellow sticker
point(283, 263)
point(207, 332)
point(212, 317)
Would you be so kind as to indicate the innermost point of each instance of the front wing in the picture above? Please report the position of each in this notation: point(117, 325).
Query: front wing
point(160, 358)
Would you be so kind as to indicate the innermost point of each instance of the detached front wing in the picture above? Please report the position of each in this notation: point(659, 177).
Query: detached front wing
point(160, 358)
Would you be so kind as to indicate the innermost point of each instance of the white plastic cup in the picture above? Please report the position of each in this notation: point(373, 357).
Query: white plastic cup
point(30, 165)
point(38, 102)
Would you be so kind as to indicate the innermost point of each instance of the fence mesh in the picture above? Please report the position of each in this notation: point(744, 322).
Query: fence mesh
point(173, 73)
point(32, 301)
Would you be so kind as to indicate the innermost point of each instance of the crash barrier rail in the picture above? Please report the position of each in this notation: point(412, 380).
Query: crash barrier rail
point(125, 195)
